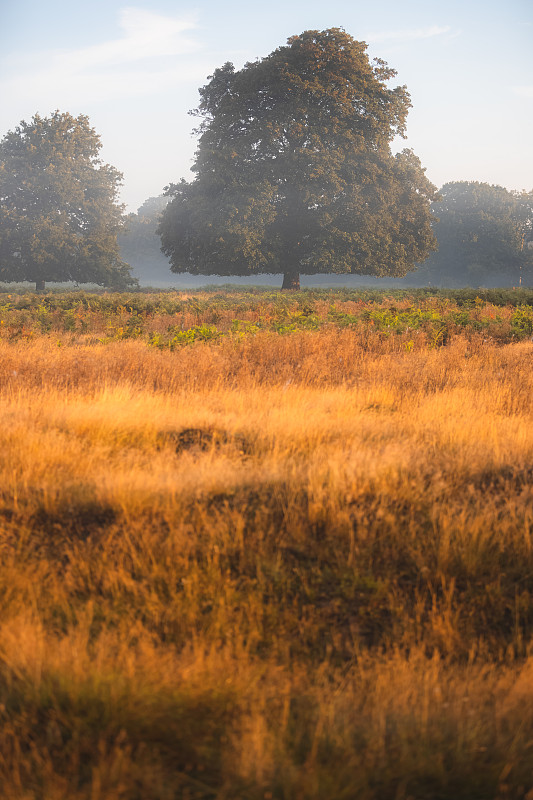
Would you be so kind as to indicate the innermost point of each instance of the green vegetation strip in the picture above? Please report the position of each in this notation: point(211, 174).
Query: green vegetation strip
point(172, 320)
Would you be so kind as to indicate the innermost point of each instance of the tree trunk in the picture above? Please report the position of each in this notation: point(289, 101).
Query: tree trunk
point(40, 285)
point(291, 280)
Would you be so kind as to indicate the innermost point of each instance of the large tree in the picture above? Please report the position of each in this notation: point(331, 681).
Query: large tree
point(59, 215)
point(294, 170)
point(483, 232)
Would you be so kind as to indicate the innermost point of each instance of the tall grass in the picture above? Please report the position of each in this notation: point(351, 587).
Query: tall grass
point(275, 567)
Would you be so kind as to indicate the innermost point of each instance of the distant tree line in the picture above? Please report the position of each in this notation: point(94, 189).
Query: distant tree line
point(484, 237)
point(294, 174)
point(140, 245)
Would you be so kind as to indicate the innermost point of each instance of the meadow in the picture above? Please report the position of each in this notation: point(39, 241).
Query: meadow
point(266, 546)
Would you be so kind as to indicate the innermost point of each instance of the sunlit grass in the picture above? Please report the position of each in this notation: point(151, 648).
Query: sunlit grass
point(290, 566)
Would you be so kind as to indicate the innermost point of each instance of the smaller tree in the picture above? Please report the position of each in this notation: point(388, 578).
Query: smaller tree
point(59, 215)
point(482, 234)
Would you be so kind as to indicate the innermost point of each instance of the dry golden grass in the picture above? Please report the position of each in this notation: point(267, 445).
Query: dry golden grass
point(287, 567)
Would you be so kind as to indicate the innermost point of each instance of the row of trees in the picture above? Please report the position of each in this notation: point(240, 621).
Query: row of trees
point(294, 173)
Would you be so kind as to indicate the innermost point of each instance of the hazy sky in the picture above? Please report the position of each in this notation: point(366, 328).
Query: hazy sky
point(135, 71)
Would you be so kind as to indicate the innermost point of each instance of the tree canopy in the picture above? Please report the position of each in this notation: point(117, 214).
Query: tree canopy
point(294, 169)
point(483, 232)
point(59, 215)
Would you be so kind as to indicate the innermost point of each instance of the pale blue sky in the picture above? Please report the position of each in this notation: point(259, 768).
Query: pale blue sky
point(135, 69)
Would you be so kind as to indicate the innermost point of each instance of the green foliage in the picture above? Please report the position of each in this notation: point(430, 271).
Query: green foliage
point(522, 322)
point(59, 216)
point(294, 171)
point(167, 320)
point(481, 231)
point(176, 337)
